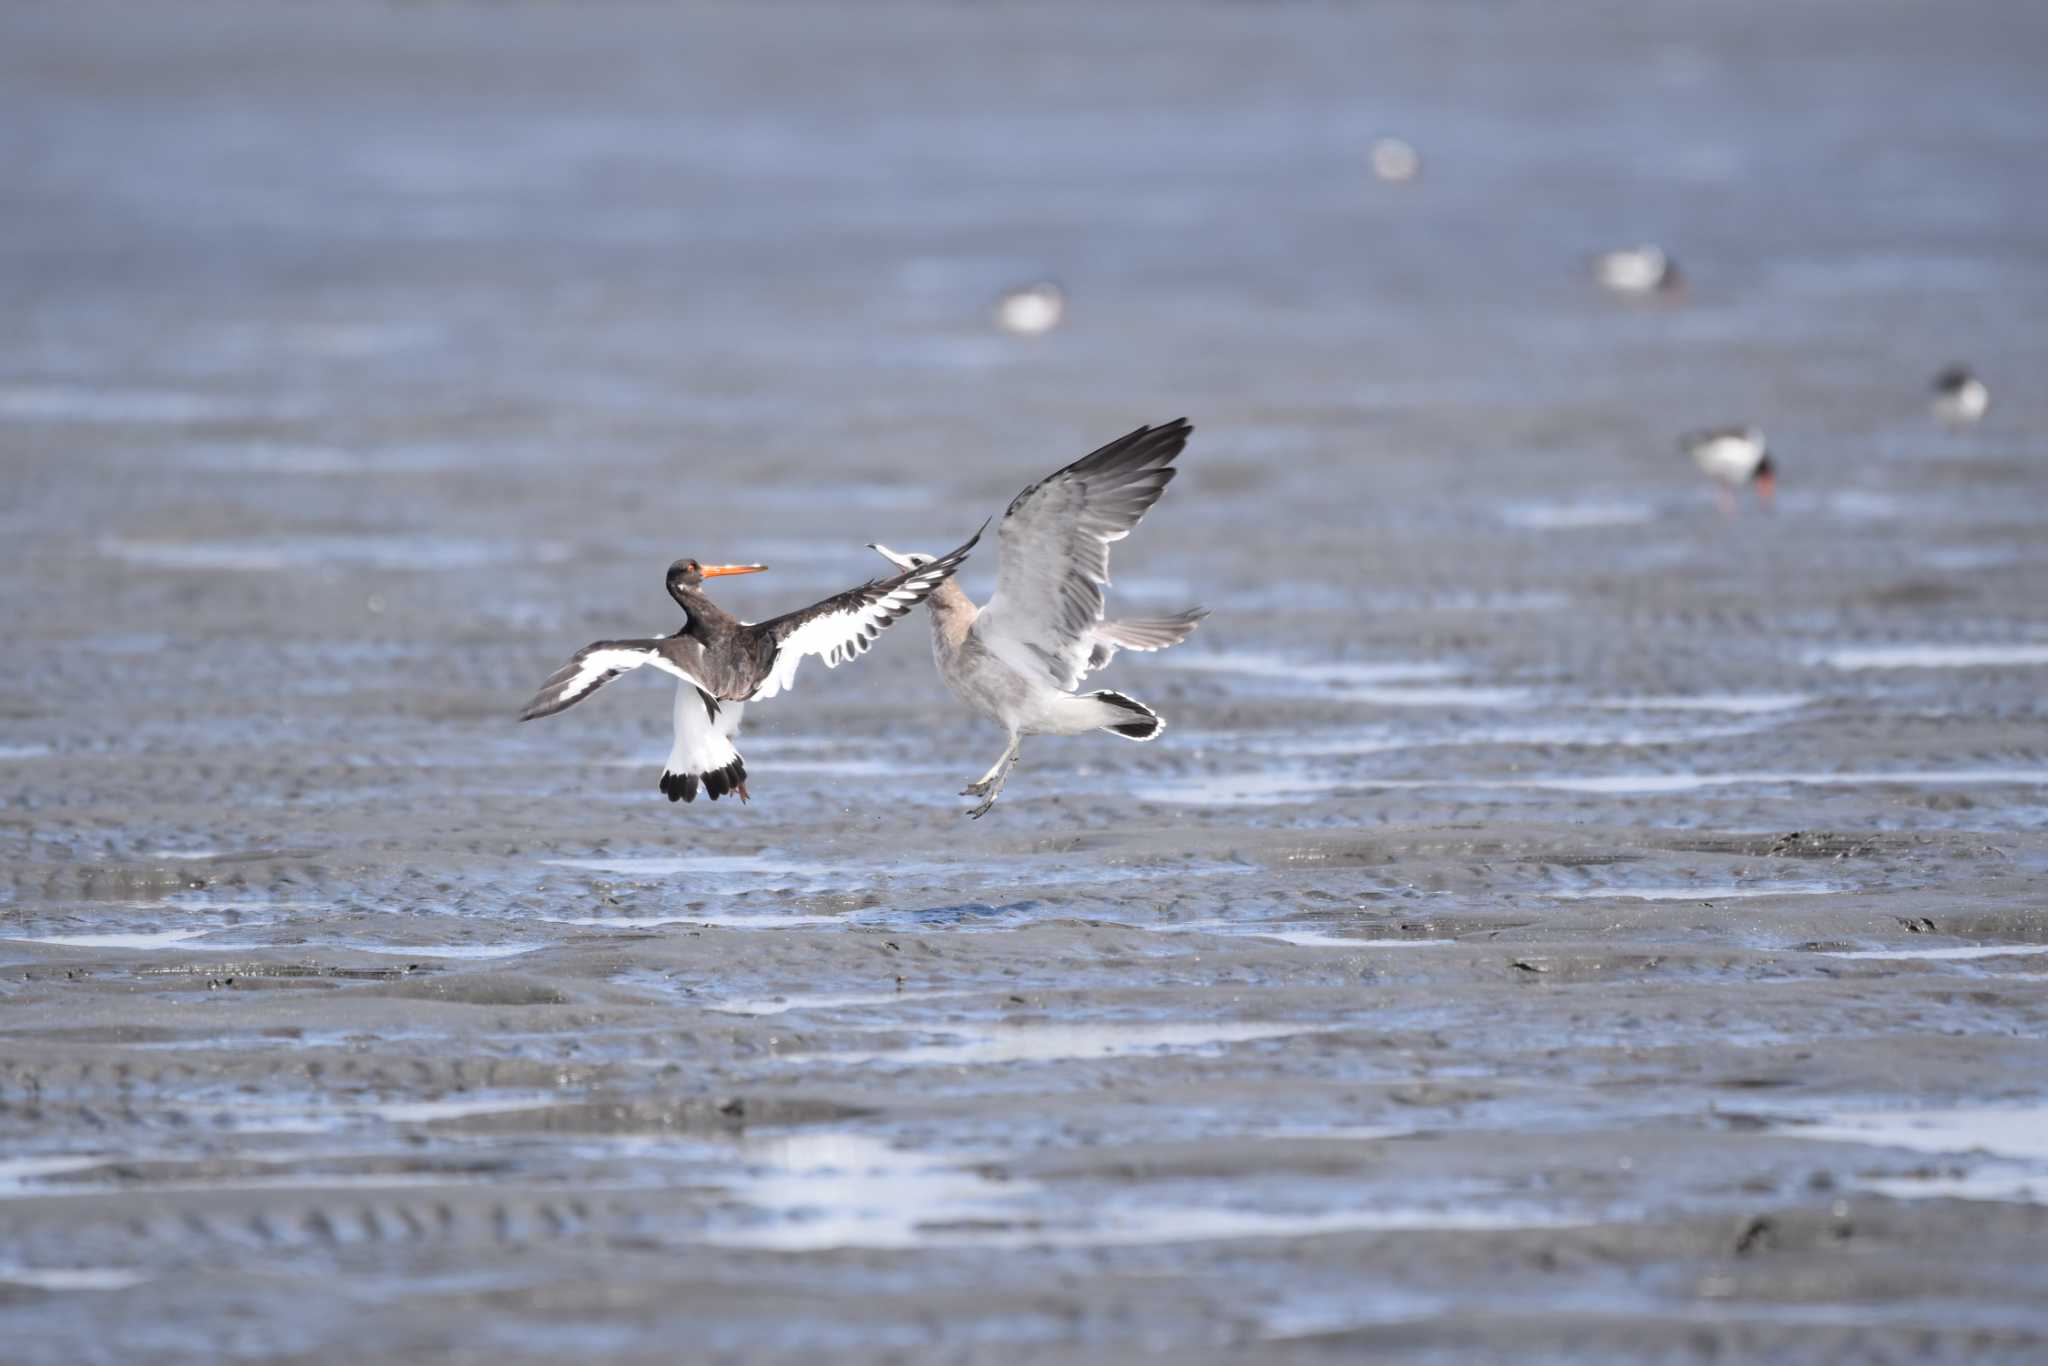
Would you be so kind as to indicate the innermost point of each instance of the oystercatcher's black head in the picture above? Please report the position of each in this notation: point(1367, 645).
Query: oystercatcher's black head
point(1953, 380)
point(689, 573)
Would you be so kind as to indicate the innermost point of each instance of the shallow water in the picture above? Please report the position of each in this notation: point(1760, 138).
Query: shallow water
point(1935, 657)
point(1511, 950)
point(1060, 1043)
point(1943, 954)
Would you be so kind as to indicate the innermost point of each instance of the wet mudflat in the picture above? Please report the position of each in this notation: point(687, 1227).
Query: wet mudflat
point(1557, 921)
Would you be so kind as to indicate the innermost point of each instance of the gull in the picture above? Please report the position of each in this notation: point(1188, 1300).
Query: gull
point(1960, 398)
point(721, 663)
point(1395, 160)
point(1732, 457)
point(1031, 310)
point(1018, 658)
point(1639, 272)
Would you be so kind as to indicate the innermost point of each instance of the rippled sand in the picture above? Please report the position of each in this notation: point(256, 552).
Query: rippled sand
point(1558, 921)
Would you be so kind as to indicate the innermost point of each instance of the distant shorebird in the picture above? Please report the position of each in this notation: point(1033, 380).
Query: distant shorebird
point(1960, 398)
point(1032, 309)
point(1395, 160)
point(1639, 273)
point(721, 663)
point(1018, 659)
point(1732, 457)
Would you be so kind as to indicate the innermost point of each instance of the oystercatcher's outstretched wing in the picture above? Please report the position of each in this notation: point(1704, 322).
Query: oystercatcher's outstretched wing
point(1054, 551)
point(593, 666)
point(842, 627)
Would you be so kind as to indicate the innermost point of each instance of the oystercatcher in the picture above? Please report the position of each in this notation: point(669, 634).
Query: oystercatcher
point(1732, 457)
point(722, 663)
point(1960, 398)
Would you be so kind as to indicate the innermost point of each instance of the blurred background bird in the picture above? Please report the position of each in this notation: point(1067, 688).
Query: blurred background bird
point(1395, 160)
point(1640, 273)
point(1033, 309)
point(1732, 457)
point(1960, 398)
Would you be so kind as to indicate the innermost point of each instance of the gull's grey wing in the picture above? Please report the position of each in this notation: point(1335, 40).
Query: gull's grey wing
point(1140, 633)
point(1054, 551)
point(842, 627)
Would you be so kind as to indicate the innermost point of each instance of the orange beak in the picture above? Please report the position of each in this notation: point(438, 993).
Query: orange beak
point(712, 571)
point(1766, 486)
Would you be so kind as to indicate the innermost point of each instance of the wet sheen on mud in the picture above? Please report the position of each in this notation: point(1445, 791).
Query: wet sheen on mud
point(1558, 922)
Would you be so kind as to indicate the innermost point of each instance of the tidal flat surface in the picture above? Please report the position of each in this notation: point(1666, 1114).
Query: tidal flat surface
point(1558, 921)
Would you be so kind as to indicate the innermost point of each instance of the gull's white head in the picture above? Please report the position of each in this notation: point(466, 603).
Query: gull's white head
point(902, 559)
